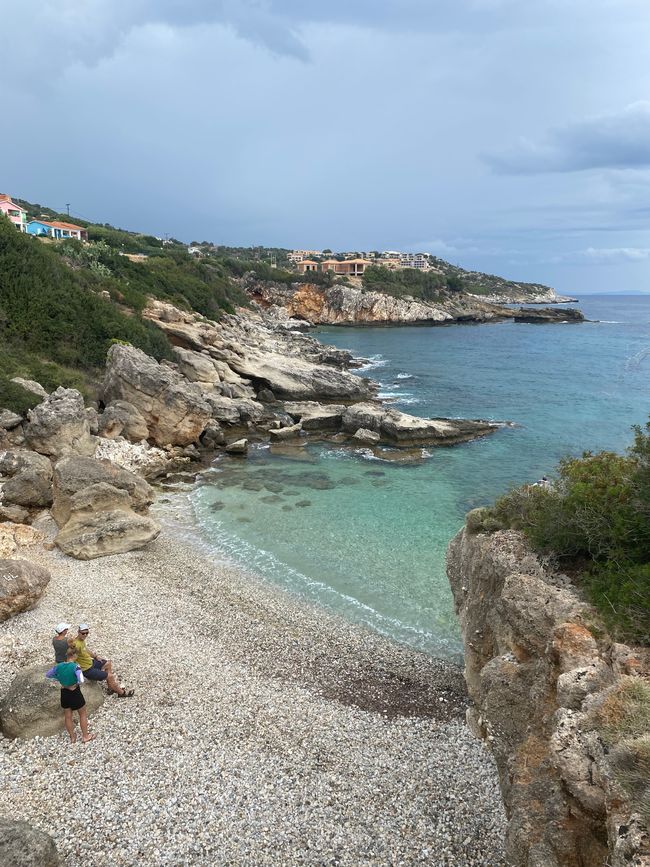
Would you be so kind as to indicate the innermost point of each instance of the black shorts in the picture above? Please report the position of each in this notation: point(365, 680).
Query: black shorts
point(72, 699)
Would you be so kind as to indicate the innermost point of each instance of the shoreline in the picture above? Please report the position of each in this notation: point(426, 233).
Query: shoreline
point(263, 730)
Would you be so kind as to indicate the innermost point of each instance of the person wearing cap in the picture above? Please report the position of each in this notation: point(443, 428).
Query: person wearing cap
point(94, 667)
point(60, 642)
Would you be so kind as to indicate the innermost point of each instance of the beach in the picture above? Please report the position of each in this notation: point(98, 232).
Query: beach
point(263, 729)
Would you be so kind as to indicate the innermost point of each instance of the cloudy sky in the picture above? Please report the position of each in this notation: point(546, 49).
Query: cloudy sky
point(506, 135)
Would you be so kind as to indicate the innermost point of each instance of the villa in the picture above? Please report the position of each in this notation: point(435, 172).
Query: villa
point(16, 214)
point(56, 229)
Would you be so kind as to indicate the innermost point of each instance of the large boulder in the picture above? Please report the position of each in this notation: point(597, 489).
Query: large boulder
point(9, 419)
point(72, 475)
point(59, 425)
point(402, 429)
point(316, 416)
point(89, 534)
point(24, 846)
point(294, 378)
point(121, 418)
point(196, 366)
point(30, 385)
point(29, 478)
point(21, 586)
point(31, 707)
point(363, 415)
point(174, 409)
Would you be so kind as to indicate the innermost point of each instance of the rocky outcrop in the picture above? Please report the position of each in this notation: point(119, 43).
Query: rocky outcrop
point(30, 385)
point(174, 409)
point(314, 416)
point(73, 475)
point(31, 706)
point(21, 586)
point(101, 523)
point(121, 418)
point(59, 425)
point(21, 845)
point(27, 479)
point(400, 428)
point(547, 314)
point(349, 305)
point(537, 671)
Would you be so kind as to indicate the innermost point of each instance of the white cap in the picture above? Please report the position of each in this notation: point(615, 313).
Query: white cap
point(61, 627)
point(83, 627)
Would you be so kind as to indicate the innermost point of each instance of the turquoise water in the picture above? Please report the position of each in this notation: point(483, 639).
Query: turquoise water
point(367, 537)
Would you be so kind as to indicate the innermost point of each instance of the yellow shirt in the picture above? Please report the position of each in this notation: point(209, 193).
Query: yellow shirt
point(84, 659)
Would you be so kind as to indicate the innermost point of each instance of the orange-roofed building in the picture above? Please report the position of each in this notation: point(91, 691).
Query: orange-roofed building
point(16, 214)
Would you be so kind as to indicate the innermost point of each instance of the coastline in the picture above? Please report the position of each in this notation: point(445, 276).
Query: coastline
point(264, 730)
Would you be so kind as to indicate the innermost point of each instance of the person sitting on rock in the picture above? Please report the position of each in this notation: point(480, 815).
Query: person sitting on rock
point(69, 675)
point(60, 642)
point(95, 668)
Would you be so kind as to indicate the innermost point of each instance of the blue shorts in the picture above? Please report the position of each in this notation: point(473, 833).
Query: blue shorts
point(95, 671)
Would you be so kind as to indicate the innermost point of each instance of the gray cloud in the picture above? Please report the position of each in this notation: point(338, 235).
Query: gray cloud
point(620, 140)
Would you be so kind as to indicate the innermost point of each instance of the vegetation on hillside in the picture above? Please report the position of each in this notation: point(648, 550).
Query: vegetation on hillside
point(424, 285)
point(596, 518)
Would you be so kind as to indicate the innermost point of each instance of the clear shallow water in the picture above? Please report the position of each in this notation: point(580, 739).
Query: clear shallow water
point(367, 537)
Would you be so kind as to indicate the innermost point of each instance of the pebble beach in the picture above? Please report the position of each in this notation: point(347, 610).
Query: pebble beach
point(263, 731)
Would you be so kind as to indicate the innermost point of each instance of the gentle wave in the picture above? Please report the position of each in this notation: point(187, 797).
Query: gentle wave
point(374, 361)
point(404, 376)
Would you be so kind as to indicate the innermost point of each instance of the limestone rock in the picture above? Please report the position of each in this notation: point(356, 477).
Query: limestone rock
point(294, 378)
point(88, 535)
point(21, 845)
point(368, 416)
point(239, 447)
point(121, 418)
point(30, 478)
point(59, 425)
point(196, 366)
point(15, 514)
point(285, 433)
point(21, 586)
point(16, 536)
point(31, 707)
point(30, 385)
point(9, 420)
point(173, 408)
point(367, 437)
point(213, 435)
point(224, 409)
point(72, 475)
point(400, 428)
point(534, 672)
point(316, 416)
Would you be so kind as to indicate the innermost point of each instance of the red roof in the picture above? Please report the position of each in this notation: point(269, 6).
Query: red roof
point(55, 224)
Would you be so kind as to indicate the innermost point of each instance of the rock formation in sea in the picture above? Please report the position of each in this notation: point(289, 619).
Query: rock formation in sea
point(548, 685)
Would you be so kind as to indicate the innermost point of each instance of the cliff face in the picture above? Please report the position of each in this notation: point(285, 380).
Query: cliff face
point(345, 305)
point(538, 678)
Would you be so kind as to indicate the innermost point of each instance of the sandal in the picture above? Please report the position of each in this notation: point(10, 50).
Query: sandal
point(128, 693)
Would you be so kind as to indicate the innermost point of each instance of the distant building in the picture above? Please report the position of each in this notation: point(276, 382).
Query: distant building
point(297, 256)
point(195, 251)
point(307, 265)
point(16, 214)
point(57, 230)
point(349, 267)
point(415, 260)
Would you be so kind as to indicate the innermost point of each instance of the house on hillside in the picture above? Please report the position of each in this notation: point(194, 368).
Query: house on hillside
point(307, 265)
point(57, 230)
point(16, 214)
point(349, 267)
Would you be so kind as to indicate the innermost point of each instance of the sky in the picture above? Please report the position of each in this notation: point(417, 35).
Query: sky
point(507, 136)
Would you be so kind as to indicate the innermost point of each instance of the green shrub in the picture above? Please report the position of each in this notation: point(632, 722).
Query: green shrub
point(596, 514)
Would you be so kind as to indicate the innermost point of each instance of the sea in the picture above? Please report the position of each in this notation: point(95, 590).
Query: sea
point(364, 535)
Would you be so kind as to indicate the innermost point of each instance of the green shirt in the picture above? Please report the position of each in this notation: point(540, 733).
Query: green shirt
point(66, 673)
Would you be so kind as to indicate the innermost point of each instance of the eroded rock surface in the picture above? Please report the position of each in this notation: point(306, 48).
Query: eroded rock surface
point(21, 845)
point(174, 409)
point(536, 674)
point(21, 586)
point(27, 478)
point(59, 425)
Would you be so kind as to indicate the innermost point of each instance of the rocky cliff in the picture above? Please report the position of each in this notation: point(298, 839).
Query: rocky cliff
point(347, 305)
point(563, 708)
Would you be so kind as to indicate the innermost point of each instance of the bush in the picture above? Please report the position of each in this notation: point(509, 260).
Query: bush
point(595, 514)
